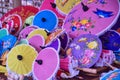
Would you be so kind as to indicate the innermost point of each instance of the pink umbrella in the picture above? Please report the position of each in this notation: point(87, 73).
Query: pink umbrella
point(46, 64)
point(24, 33)
point(91, 17)
point(50, 5)
point(37, 41)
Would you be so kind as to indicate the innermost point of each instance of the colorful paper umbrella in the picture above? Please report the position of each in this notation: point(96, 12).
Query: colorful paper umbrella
point(50, 5)
point(20, 59)
point(3, 32)
point(36, 32)
point(64, 39)
point(12, 23)
point(111, 40)
point(90, 17)
point(28, 21)
point(86, 49)
point(1, 48)
point(64, 6)
point(46, 64)
point(55, 44)
point(23, 11)
point(37, 41)
point(53, 36)
point(8, 42)
point(112, 75)
point(44, 21)
point(24, 33)
point(3, 69)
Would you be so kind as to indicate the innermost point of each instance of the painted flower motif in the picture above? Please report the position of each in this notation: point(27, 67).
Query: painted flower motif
point(84, 24)
point(89, 53)
point(85, 60)
point(92, 45)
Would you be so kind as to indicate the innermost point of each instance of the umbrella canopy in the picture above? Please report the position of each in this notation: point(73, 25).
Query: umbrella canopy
point(44, 21)
point(46, 64)
point(24, 33)
point(20, 59)
point(55, 44)
point(64, 39)
point(36, 32)
point(23, 11)
point(90, 17)
point(8, 42)
point(3, 32)
point(111, 40)
point(37, 41)
point(28, 21)
point(53, 36)
point(64, 6)
point(112, 75)
point(86, 49)
point(13, 23)
point(50, 5)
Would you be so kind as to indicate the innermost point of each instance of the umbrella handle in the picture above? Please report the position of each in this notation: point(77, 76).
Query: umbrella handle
point(64, 2)
point(112, 67)
point(94, 71)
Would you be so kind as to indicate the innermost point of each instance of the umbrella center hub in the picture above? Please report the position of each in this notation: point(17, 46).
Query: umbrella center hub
point(43, 20)
point(19, 57)
point(40, 62)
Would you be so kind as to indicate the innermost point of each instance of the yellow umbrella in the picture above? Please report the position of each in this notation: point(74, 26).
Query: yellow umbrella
point(20, 59)
point(38, 31)
point(3, 69)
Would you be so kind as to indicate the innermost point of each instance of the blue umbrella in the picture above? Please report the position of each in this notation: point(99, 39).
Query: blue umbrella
point(46, 19)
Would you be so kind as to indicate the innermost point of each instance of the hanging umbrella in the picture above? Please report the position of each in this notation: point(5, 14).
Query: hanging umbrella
point(111, 75)
point(50, 5)
point(20, 59)
point(64, 39)
point(86, 49)
point(3, 32)
point(55, 44)
point(46, 19)
point(24, 33)
point(111, 40)
point(90, 17)
point(64, 6)
point(46, 64)
point(37, 41)
point(36, 32)
point(12, 23)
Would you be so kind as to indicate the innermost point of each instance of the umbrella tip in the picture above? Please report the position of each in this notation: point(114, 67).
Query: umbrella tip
point(43, 19)
point(19, 57)
point(39, 61)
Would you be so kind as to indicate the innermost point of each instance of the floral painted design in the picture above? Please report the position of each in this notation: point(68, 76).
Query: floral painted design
point(84, 24)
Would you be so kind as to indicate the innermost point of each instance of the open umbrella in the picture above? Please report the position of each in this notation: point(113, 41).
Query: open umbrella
point(46, 64)
point(111, 75)
point(90, 17)
point(46, 19)
point(64, 6)
point(37, 41)
point(50, 5)
point(23, 11)
point(86, 49)
point(36, 32)
point(13, 23)
point(111, 40)
point(20, 59)
point(24, 33)
point(64, 39)
point(3, 32)
point(8, 42)
point(55, 44)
